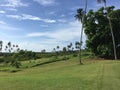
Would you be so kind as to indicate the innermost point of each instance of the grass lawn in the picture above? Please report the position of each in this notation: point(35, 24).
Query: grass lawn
point(65, 75)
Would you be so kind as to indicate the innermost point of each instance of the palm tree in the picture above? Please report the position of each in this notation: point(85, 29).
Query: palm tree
point(57, 48)
point(54, 50)
point(81, 16)
point(9, 45)
point(68, 47)
point(111, 28)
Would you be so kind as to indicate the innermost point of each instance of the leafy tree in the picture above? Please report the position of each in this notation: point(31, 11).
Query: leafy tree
point(16, 63)
point(111, 28)
point(99, 38)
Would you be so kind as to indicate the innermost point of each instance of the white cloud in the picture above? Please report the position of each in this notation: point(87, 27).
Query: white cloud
point(14, 3)
point(38, 46)
point(11, 9)
point(2, 12)
point(45, 2)
point(58, 37)
point(51, 13)
point(24, 17)
point(43, 25)
point(48, 20)
point(36, 34)
point(62, 15)
point(31, 17)
point(2, 22)
point(61, 37)
point(63, 34)
point(4, 26)
point(62, 20)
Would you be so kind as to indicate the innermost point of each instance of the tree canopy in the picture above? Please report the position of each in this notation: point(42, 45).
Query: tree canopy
point(97, 30)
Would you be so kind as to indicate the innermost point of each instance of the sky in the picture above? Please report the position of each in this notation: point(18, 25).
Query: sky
point(43, 24)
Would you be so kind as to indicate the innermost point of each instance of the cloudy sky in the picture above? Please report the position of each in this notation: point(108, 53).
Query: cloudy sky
point(42, 24)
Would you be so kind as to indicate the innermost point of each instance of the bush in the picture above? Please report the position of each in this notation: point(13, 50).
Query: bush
point(75, 55)
point(1, 60)
point(65, 58)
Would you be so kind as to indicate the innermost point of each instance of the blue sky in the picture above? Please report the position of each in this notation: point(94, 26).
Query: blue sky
point(42, 24)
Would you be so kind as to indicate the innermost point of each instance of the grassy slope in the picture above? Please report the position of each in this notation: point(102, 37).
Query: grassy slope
point(65, 75)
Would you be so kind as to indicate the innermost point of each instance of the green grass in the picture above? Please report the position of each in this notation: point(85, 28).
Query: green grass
point(65, 75)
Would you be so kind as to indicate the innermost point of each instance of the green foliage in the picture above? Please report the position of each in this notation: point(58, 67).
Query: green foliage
point(99, 39)
point(15, 63)
point(25, 55)
point(1, 59)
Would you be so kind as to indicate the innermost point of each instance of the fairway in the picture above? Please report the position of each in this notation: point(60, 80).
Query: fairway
point(65, 75)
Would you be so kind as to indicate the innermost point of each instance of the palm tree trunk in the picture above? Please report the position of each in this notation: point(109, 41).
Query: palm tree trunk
point(80, 45)
point(113, 38)
point(82, 34)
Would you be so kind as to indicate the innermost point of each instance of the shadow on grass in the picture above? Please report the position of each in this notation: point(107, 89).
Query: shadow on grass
point(51, 61)
point(11, 71)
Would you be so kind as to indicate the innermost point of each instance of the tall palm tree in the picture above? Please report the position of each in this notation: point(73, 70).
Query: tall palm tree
point(111, 28)
point(81, 16)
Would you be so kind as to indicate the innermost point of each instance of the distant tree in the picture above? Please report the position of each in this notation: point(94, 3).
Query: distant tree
point(9, 47)
point(57, 48)
point(71, 46)
point(68, 47)
point(64, 49)
point(77, 45)
point(72, 49)
point(43, 51)
point(16, 63)
point(54, 50)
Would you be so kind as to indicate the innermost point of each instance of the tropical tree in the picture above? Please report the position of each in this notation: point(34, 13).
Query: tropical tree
point(64, 50)
point(99, 40)
point(77, 45)
point(54, 50)
point(71, 45)
point(81, 17)
point(111, 28)
point(68, 48)
point(9, 46)
point(43, 51)
point(16, 63)
point(57, 48)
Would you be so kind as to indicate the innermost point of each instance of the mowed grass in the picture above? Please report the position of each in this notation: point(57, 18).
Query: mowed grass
point(65, 75)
